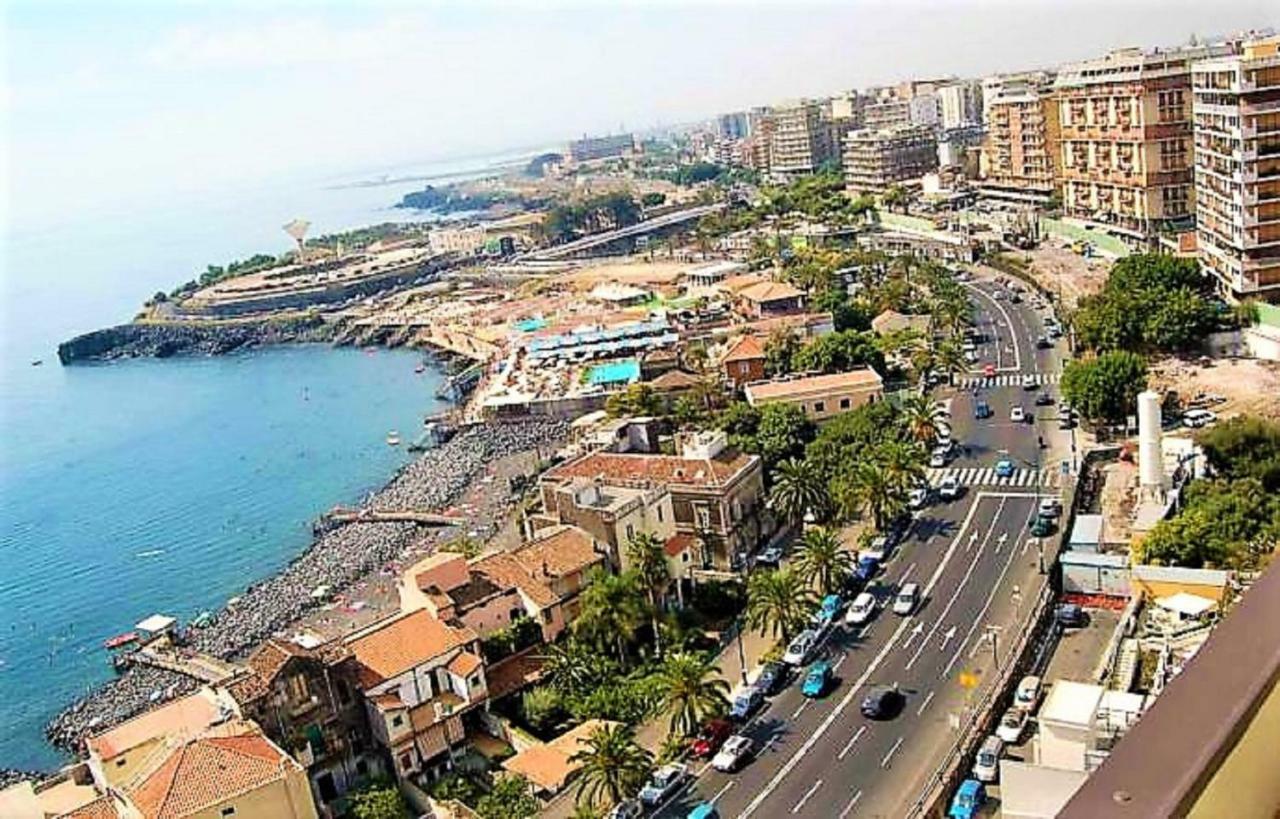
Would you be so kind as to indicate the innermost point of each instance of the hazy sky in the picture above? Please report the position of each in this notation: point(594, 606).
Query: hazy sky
point(124, 102)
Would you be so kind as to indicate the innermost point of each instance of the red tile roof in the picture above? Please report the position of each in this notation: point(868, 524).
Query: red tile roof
point(404, 642)
point(465, 664)
point(104, 807)
point(657, 469)
point(561, 551)
point(746, 348)
point(504, 571)
point(764, 292)
point(815, 385)
point(204, 772)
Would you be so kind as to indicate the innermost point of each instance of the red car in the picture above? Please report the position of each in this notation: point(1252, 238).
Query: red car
point(711, 737)
point(989, 370)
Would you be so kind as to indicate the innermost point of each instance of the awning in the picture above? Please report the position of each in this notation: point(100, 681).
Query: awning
point(156, 623)
point(1186, 604)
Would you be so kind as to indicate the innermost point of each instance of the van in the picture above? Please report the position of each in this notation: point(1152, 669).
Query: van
point(986, 767)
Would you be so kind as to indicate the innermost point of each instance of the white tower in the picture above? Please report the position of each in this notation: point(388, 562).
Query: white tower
point(297, 230)
point(1150, 457)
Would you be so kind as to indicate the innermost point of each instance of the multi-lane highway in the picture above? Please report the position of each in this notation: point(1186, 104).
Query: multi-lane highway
point(973, 558)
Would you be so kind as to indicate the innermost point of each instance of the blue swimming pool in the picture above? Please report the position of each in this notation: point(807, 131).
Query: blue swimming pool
point(531, 325)
point(627, 369)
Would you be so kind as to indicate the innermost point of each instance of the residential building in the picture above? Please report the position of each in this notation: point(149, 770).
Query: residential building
point(891, 321)
point(589, 149)
point(1018, 159)
point(610, 512)
point(735, 125)
point(801, 140)
point(465, 241)
point(1080, 723)
point(820, 396)
point(716, 493)
point(960, 104)
point(1126, 141)
point(876, 160)
point(743, 361)
point(770, 298)
point(889, 113)
point(1236, 110)
point(713, 273)
point(757, 149)
point(847, 108)
point(926, 110)
point(960, 148)
point(549, 766)
point(420, 677)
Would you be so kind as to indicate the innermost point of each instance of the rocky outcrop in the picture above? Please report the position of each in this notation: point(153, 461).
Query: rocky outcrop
point(161, 340)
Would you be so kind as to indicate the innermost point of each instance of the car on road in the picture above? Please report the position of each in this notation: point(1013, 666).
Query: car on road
point(866, 568)
point(1065, 422)
point(1042, 526)
point(949, 487)
point(882, 702)
point(1071, 615)
point(663, 783)
point(1012, 724)
point(772, 678)
point(878, 547)
point(1044, 342)
point(968, 801)
point(1044, 399)
point(771, 556)
point(816, 679)
point(828, 610)
point(626, 809)
point(989, 370)
point(1004, 468)
point(1018, 415)
point(1029, 382)
point(703, 810)
point(986, 767)
point(862, 609)
point(1050, 507)
point(711, 737)
point(981, 410)
point(906, 600)
point(1027, 694)
point(734, 754)
point(918, 497)
point(801, 647)
point(1196, 418)
point(938, 457)
point(745, 703)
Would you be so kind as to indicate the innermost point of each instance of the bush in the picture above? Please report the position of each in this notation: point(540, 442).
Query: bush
point(541, 707)
point(378, 801)
point(719, 600)
point(509, 799)
point(1106, 387)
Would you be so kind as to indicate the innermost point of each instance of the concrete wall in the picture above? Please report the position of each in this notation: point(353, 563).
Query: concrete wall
point(1245, 784)
point(289, 798)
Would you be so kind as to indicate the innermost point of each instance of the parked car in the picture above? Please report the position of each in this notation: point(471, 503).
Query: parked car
point(949, 487)
point(877, 547)
point(968, 800)
point(906, 600)
point(861, 610)
point(801, 646)
point(711, 737)
point(626, 809)
point(1044, 342)
point(663, 783)
point(703, 810)
point(1004, 468)
point(1050, 507)
point(1070, 615)
point(1029, 382)
point(734, 754)
point(918, 497)
point(771, 556)
point(1027, 694)
point(816, 679)
point(1196, 418)
point(1044, 399)
point(986, 767)
point(866, 569)
point(982, 410)
point(938, 457)
point(1012, 724)
point(1042, 526)
point(745, 703)
point(829, 609)
point(1018, 415)
point(882, 702)
point(772, 679)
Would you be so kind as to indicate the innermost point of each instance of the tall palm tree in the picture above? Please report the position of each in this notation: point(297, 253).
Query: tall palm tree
point(948, 357)
point(611, 766)
point(823, 561)
point(649, 563)
point(612, 608)
point(870, 490)
point(798, 487)
point(920, 417)
point(778, 603)
point(572, 667)
point(903, 464)
point(692, 692)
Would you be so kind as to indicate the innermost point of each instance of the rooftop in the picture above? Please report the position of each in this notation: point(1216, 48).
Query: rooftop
point(814, 385)
point(746, 348)
point(548, 765)
point(658, 469)
point(405, 641)
point(1070, 702)
point(186, 716)
point(559, 551)
point(768, 291)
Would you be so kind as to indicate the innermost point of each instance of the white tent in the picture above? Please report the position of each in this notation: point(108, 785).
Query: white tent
point(1186, 605)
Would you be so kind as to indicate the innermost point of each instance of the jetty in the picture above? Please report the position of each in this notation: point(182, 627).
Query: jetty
point(340, 515)
point(204, 667)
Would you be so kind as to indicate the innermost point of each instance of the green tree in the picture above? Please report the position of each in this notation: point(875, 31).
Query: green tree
point(653, 200)
point(511, 798)
point(903, 463)
point(896, 197)
point(636, 399)
point(778, 603)
point(612, 609)
point(798, 487)
point(573, 668)
point(839, 352)
point(823, 561)
point(869, 488)
point(782, 433)
point(648, 561)
point(378, 801)
point(612, 767)
point(1245, 447)
point(1226, 524)
point(1150, 303)
point(693, 692)
point(541, 706)
point(1105, 388)
point(779, 351)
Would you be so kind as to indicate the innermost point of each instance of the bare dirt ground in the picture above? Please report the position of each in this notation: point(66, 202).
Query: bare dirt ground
point(1250, 387)
point(637, 273)
point(1057, 268)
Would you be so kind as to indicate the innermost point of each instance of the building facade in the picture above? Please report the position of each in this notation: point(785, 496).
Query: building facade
point(1018, 152)
point(1236, 111)
point(801, 140)
point(883, 114)
point(734, 125)
point(960, 104)
point(875, 160)
point(589, 149)
point(820, 396)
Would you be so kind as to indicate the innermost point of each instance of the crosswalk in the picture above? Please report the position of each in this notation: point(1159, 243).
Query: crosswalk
point(1049, 478)
point(1006, 380)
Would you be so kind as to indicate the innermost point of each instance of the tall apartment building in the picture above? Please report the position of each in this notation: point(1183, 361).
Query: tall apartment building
point(801, 139)
point(874, 160)
point(1018, 153)
point(756, 150)
point(847, 107)
point(925, 109)
point(605, 147)
point(1236, 122)
point(1126, 156)
point(960, 104)
point(886, 113)
point(734, 125)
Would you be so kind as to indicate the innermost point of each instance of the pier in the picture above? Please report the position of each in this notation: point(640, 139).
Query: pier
point(340, 515)
point(204, 667)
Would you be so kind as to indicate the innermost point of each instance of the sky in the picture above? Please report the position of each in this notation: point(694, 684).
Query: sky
point(123, 104)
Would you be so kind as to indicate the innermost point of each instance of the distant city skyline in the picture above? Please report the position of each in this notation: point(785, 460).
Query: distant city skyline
point(128, 103)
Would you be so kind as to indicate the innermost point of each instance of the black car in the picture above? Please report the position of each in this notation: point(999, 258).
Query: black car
point(772, 679)
point(882, 702)
point(1044, 342)
point(1044, 399)
point(1070, 615)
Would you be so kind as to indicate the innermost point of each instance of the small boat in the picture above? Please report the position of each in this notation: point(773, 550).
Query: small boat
point(37, 362)
point(120, 640)
point(421, 368)
point(393, 438)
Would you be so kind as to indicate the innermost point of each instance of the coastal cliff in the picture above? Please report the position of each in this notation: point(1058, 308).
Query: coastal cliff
point(161, 340)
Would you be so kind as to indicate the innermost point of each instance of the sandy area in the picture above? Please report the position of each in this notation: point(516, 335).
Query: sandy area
point(1249, 386)
point(657, 273)
point(1056, 267)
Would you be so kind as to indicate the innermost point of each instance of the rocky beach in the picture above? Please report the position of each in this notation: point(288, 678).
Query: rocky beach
point(164, 339)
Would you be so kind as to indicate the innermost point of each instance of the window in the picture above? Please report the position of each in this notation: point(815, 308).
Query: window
point(844, 403)
point(473, 680)
point(229, 811)
point(397, 721)
point(120, 763)
point(406, 761)
point(819, 406)
point(631, 531)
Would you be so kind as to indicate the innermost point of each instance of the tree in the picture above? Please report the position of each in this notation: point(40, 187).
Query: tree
point(378, 801)
point(921, 418)
point(839, 352)
point(511, 798)
point(541, 706)
point(1150, 303)
point(779, 351)
point(1229, 524)
point(778, 603)
point(1105, 388)
point(1245, 447)
point(636, 399)
point(653, 199)
point(782, 433)
point(896, 197)
point(823, 561)
point(611, 611)
point(903, 464)
point(693, 692)
point(648, 561)
point(870, 489)
point(798, 488)
point(611, 766)
point(573, 668)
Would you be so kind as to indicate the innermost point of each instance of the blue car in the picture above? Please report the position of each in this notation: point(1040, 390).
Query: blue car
point(968, 800)
point(1004, 468)
point(867, 568)
point(830, 609)
point(816, 679)
point(703, 810)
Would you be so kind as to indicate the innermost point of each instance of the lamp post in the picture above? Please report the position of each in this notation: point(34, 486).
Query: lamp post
point(993, 634)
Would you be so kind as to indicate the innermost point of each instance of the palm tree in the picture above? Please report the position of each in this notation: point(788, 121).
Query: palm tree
point(778, 603)
point(611, 766)
point(823, 561)
point(869, 489)
point(798, 488)
point(948, 357)
point(649, 564)
point(903, 464)
point(692, 691)
point(612, 608)
point(572, 667)
point(921, 418)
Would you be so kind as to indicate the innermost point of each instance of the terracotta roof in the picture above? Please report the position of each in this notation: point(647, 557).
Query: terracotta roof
point(563, 550)
point(515, 672)
point(404, 642)
point(891, 321)
point(735, 283)
point(813, 385)
point(269, 659)
point(795, 321)
point(659, 469)
point(204, 772)
point(678, 543)
point(465, 664)
point(548, 766)
point(746, 348)
point(675, 380)
point(387, 702)
point(770, 291)
point(185, 716)
point(504, 571)
point(104, 807)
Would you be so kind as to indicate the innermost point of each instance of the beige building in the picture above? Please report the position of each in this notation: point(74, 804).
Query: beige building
point(1126, 143)
point(960, 104)
point(887, 113)
point(820, 396)
point(876, 160)
point(1018, 158)
point(465, 241)
point(801, 139)
point(1236, 110)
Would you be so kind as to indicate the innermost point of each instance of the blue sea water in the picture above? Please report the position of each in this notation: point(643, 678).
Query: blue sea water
point(167, 485)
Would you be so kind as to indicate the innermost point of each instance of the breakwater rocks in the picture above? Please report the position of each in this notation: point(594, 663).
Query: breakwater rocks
point(160, 340)
point(337, 559)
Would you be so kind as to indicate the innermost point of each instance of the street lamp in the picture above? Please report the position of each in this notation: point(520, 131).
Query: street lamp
point(992, 633)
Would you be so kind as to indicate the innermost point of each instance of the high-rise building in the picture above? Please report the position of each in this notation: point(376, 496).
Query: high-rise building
point(874, 160)
point(734, 125)
point(757, 149)
point(1126, 158)
point(886, 113)
point(1236, 127)
point(925, 109)
point(960, 104)
point(588, 149)
point(801, 140)
point(1018, 153)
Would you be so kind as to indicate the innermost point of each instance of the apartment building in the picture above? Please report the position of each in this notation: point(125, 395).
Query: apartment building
point(756, 148)
point(1236, 113)
point(885, 114)
point(960, 104)
point(801, 139)
point(925, 109)
point(820, 396)
point(734, 125)
point(589, 149)
point(875, 160)
point(1126, 141)
point(1017, 161)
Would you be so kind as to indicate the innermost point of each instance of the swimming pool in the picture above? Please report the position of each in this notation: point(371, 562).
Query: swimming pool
point(531, 325)
point(627, 369)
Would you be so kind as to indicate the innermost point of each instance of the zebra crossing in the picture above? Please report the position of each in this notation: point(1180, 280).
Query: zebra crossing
point(1049, 478)
point(1006, 380)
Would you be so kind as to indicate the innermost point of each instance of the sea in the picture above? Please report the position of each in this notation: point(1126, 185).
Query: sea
point(168, 486)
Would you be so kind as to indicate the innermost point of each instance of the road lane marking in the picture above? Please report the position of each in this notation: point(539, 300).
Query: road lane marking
point(925, 704)
point(836, 667)
point(848, 746)
point(995, 587)
point(721, 792)
point(826, 724)
point(884, 763)
point(798, 711)
point(849, 806)
point(906, 574)
point(806, 796)
point(1013, 335)
point(915, 632)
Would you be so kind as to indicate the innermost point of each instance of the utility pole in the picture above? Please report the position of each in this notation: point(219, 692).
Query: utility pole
point(742, 658)
point(993, 633)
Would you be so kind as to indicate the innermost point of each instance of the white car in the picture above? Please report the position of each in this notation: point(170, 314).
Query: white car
point(1196, 418)
point(861, 610)
point(1018, 415)
point(801, 647)
point(877, 549)
point(663, 783)
point(1012, 724)
point(971, 357)
point(918, 497)
point(986, 768)
point(1050, 508)
point(1027, 695)
point(906, 600)
point(733, 754)
point(626, 809)
point(949, 487)
point(938, 458)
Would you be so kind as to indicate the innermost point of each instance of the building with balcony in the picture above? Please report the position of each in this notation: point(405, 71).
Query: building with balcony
point(734, 126)
point(1018, 157)
point(876, 160)
point(1236, 129)
point(800, 142)
point(960, 104)
point(590, 149)
point(886, 113)
point(820, 396)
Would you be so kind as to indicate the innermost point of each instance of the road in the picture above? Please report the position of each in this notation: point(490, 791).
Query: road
point(822, 758)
